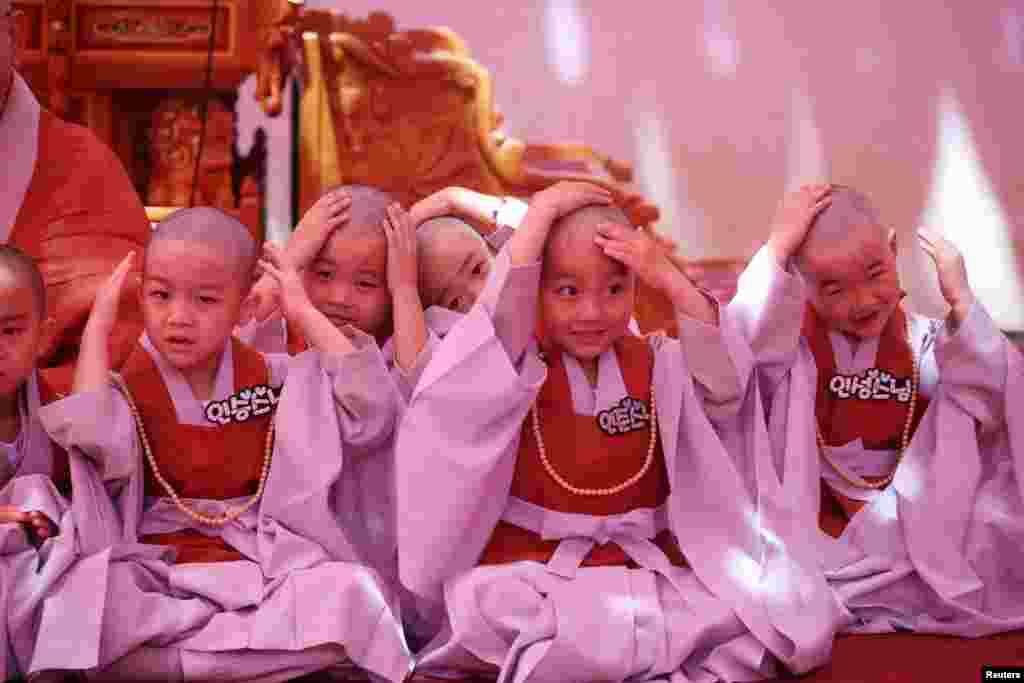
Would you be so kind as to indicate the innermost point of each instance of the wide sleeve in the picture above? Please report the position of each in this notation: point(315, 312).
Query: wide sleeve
point(407, 378)
point(767, 312)
point(100, 425)
point(510, 300)
point(365, 397)
point(719, 359)
point(972, 365)
point(455, 451)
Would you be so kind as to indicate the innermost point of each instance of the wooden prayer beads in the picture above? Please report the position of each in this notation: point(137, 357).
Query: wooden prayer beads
point(219, 520)
point(612, 490)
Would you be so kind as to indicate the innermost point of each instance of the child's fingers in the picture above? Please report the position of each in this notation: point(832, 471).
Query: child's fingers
point(820, 206)
point(270, 270)
point(616, 232)
point(339, 218)
point(620, 254)
point(15, 517)
point(126, 263)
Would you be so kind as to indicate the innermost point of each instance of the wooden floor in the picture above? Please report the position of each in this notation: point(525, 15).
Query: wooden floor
point(886, 658)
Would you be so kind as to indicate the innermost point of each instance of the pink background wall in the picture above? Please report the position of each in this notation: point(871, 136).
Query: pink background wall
point(721, 105)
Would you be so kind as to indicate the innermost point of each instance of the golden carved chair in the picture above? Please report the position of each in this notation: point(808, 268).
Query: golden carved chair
point(411, 112)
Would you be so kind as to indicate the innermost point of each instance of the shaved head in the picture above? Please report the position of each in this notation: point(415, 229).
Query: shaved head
point(435, 231)
point(580, 226)
point(367, 211)
point(448, 250)
point(212, 228)
point(850, 216)
point(19, 269)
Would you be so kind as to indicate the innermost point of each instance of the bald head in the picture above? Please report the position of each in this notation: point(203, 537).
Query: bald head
point(18, 269)
point(212, 228)
point(850, 217)
point(579, 227)
point(432, 233)
point(445, 246)
point(368, 209)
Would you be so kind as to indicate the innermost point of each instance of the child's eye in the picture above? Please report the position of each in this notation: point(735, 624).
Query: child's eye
point(208, 299)
point(567, 290)
point(11, 331)
point(478, 269)
point(324, 275)
point(617, 289)
point(158, 294)
point(366, 284)
point(832, 291)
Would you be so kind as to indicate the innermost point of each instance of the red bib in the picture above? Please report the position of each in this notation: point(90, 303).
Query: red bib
point(218, 462)
point(878, 422)
point(587, 457)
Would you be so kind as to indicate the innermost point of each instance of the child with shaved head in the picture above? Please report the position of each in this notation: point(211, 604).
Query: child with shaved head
point(594, 526)
point(34, 474)
point(221, 458)
point(909, 427)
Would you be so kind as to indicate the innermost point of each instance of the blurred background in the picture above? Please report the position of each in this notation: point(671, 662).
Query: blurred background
point(722, 106)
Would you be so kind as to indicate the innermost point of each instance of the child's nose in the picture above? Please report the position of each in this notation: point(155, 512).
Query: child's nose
point(180, 313)
point(589, 308)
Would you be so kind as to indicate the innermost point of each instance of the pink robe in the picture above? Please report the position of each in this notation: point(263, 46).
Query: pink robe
point(940, 550)
point(28, 574)
point(303, 598)
point(743, 602)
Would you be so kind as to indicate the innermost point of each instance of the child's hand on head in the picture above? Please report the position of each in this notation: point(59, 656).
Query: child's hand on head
point(328, 213)
point(403, 272)
point(642, 253)
point(794, 217)
point(952, 271)
point(441, 203)
point(291, 290)
point(565, 197)
point(106, 304)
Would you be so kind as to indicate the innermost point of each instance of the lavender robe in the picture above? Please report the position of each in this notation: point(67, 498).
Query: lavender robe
point(301, 601)
point(744, 597)
point(28, 575)
point(939, 550)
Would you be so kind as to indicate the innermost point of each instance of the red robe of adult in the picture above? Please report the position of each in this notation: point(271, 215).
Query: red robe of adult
point(80, 216)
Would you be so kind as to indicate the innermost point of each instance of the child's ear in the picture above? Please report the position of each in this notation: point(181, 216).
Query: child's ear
point(892, 240)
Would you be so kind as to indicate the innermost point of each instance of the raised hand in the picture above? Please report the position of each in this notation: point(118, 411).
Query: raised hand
point(400, 231)
point(641, 252)
point(328, 213)
point(106, 304)
point(441, 203)
point(291, 291)
point(262, 299)
point(794, 217)
point(567, 196)
point(951, 269)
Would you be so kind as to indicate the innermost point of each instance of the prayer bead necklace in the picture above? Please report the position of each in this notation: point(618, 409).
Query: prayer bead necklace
point(905, 440)
point(612, 490)
point(219, 520)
